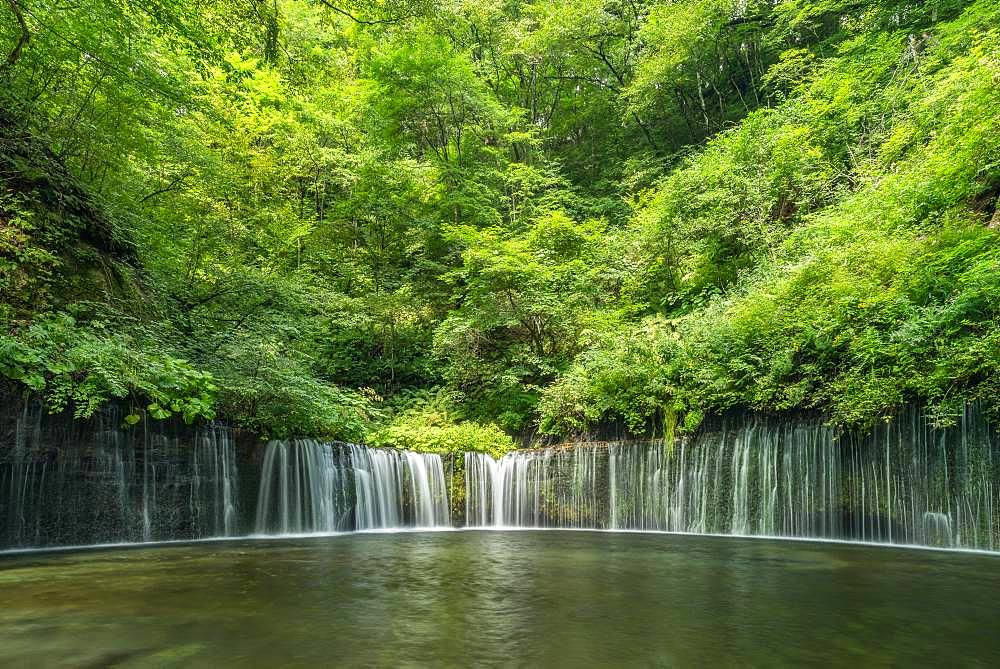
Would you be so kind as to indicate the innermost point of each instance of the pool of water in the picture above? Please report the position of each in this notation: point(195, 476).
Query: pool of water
point(530, 598)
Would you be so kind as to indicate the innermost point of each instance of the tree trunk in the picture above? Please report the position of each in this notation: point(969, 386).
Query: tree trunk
point(22, 39)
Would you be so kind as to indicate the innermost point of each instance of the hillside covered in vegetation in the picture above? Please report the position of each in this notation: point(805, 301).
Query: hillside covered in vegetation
point(446, 223)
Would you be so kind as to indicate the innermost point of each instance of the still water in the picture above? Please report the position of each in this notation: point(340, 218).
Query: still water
point(492, 598)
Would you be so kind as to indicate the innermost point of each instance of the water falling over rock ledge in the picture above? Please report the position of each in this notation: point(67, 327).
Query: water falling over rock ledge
point(905, 482)
point(66, 482)
point(309, 486)
point(902, 483)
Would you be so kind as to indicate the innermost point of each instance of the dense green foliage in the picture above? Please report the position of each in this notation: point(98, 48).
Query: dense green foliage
point(309, 217)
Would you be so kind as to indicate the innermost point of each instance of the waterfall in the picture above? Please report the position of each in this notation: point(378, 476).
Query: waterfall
point(910, 483)
point(550, 488)
point(308, 486)
point(302, 488)
point(399, 489)
point(428, 489)
point(483, 497)
point(214, 483)
point(67, 483)
point(905, 482)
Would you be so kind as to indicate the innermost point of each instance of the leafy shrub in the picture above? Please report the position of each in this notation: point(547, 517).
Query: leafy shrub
point(432, 429)
point(82, 367)
point(278, 396)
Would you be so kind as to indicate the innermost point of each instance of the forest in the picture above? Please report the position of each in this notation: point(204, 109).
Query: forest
point(452, 225)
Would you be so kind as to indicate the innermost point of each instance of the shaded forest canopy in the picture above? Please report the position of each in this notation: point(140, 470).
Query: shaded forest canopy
point(442, 223)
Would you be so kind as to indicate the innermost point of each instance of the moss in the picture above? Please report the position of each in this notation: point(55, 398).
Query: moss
point(57, 245)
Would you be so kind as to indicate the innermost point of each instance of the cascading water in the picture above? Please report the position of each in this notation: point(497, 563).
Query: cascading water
point(550, 488)
point(303, 488)
point(307, 486)
point(909, 483)
point(73, 484)
point(904, 483)
point(427, 487)
point(214, 482)
point(66, 482)
point(483, 493)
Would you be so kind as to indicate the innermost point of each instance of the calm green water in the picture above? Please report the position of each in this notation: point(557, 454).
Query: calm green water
point(500, 598)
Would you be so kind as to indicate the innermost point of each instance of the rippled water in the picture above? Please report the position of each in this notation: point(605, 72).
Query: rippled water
point(530, 598)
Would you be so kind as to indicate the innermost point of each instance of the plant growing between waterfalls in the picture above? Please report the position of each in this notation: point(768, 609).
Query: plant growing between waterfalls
point(429, 431)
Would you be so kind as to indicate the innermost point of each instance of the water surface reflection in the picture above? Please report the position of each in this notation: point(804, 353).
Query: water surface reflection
point(500, 598)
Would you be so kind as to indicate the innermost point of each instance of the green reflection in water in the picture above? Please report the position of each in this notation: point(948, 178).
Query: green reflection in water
point(500, 598)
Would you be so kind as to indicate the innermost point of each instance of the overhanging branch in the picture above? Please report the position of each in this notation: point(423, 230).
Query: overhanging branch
point(365, 22)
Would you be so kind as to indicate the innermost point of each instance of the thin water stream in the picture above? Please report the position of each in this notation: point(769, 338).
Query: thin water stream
point(310, 486)
point(904, 482)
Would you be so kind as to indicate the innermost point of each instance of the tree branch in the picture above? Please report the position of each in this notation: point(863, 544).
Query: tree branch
point(364, 22)
point(177, 182)
point(22, 40)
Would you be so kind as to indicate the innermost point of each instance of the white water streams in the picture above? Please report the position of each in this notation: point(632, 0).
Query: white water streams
point(914, 484)
point(115, 485)
point(427, 488)
point(214, 481)
point(307, 486)
point(903, 483)
point(302, 488)
point(483, 491)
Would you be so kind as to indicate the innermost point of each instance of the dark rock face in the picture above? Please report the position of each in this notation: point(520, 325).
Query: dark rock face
point(73, 482)
point(904, 482)
point(61, 245)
